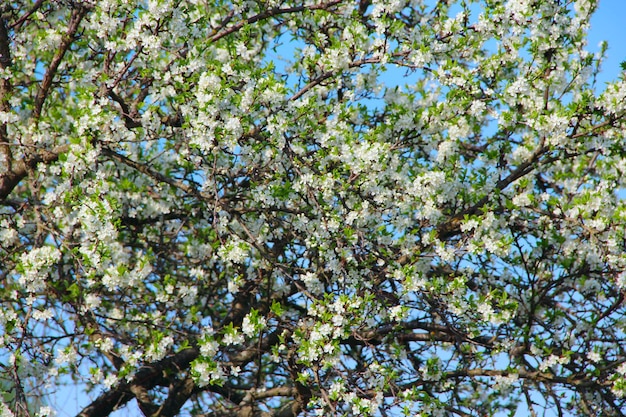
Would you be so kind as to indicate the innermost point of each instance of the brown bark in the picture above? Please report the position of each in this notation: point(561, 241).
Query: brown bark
point(6, 156)
point(146, 378)
point(77, 16)
point(20, 169)
point(16, 170)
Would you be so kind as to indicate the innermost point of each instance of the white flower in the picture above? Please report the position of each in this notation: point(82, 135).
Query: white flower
point(92, 301)
point(469, 225)
point(67, 355)
point(505, 382)
point(597, 224)
point(552, 360)
point(43, 315)
point(37, 265)
point(233, 285)
point(445, 150)
point(96, 375)
point(337, 387)
point(445, 253)
point(521, 200)
point(486, 310)
point(234, 126)
point(235, 251)
point(105, 344)
point(188, 294)
point(208, 348)
point(517, 8)
point(158, 350)
point(252, 324)
point(8, 236)
point(312, 283)
point(110, 380)
point(594, 356)
point(207, 373)
point(397, 313)
point(210, 82)
point(46, 411)
point(233, 338)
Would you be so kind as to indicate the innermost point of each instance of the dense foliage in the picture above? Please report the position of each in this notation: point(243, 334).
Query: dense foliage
point(288, 208)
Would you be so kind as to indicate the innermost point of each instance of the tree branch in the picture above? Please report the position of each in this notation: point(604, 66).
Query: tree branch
point(270, 13)
point(147, 378)
point(178, 396)
point(26, 15)
point(77, 15)
point(144, 402)
point(9, 180)
point(6, 156)
point(144, 169)
point(452, 226)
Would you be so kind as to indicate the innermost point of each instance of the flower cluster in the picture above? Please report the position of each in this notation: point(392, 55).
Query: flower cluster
point(387, 207)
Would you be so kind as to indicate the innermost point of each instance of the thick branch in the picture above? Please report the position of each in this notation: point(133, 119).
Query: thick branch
point(144, 402)
point(178, 396)
point(15, 171)
point(77, 15)
point(291, 409)
point(106, 403)
point(6, 157)
point(151, 375)
point(147, 377)
point(129, 122)
point(9, 180)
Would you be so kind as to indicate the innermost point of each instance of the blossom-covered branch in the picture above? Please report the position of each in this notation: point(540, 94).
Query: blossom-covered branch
point(285, 209)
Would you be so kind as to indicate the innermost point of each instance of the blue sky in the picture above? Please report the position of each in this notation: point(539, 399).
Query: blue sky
point(609, 23)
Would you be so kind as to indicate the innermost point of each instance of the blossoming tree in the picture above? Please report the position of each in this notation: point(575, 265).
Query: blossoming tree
point(292, 208)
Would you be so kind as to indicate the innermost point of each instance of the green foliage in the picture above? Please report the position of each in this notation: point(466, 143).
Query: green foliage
point(341, 208)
